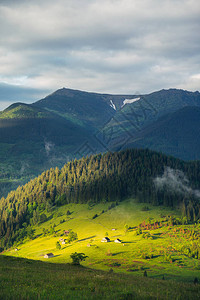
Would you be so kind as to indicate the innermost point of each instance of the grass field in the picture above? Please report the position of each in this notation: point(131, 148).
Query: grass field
point(29, 279)
point(158, 249)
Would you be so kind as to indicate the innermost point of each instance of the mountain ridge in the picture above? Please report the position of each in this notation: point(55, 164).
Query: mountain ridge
point(71, 123)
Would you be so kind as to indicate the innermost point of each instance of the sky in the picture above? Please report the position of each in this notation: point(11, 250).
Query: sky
point(106, 46)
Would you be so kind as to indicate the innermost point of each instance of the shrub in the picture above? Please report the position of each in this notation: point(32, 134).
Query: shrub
point(62, 221)
point(139, 231)
point(184, 221)
point(115, 264)
point(145, 256)
point(146, 235)
point(168, 258)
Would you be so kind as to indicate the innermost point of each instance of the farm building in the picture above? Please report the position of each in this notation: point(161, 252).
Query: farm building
point(117, 241)
point(48, 255)
point(66, 232)
point(105, 240)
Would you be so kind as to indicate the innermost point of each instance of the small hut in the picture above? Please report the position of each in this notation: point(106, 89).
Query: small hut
point(105, 240)
point(48, 255)
point(118, 241)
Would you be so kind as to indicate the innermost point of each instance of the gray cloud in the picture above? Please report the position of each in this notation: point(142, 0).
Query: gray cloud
point(119, 46)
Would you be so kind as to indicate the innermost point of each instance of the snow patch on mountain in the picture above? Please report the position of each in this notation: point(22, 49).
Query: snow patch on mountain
point(112, 105)
point(129, 101)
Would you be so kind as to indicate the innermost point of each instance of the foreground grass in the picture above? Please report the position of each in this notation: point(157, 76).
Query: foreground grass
point(29, 279)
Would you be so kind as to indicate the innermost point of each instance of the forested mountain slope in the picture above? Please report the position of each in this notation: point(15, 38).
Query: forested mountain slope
point(176, 134)
point(149, 176)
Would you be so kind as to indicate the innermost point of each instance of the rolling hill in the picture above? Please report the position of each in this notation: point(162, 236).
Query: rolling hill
point(145, 203)
point(148, 176)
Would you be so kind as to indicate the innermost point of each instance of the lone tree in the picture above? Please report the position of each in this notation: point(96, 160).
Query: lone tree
point(72, 236)
point(77, 258)
point(58, 246)
point(126, 228)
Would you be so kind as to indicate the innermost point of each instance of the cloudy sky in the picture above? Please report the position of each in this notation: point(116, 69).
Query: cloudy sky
point(112, 46)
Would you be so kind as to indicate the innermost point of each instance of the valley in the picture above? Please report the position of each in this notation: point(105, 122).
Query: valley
point(150, 239)
point(133, 213)
point(111, 268)
point(99, 150)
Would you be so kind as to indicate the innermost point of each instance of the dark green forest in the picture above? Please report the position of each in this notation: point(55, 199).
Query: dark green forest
point(103, 177)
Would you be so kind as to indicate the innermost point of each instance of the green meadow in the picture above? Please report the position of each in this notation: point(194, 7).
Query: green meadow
point(151, 243)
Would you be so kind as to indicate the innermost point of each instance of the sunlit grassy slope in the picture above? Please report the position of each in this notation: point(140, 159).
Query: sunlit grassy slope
point(134, 255)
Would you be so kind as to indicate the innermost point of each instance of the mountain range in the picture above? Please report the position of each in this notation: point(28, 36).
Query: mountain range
point(71, 123)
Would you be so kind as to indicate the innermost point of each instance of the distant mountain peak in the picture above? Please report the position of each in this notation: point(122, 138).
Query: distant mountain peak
point(21, 111)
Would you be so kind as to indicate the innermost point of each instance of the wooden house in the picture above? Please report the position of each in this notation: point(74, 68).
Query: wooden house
point(48, 255)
